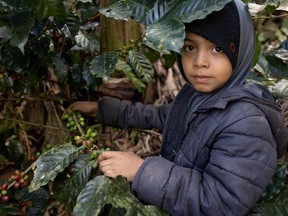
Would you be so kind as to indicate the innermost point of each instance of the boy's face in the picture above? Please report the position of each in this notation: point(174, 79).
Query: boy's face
point(205, 65)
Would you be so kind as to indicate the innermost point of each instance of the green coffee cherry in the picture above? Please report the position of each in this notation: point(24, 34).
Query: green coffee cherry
point(4, 192)
point(76, 138)
point(94, 165)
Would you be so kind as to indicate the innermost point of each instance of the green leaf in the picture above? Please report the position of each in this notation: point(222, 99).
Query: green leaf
point(262, 66)
point(67, 189)
point(159, 9)
point(52, 162)
point(127, 70)
point(73, 23)
point(13, 58)
point(275, 186)
point(88, 12)
point(88, 41)
point(93, 197)
point(61, 69)
point(46, 8)
point(102, 190)
point(270, 9)
point(5, 33)
point(282, 197)
point(187, 11)
point(141, 65)
point(39, 200)
point(152, 54)
point(104, 65)
point(15, 151)
point(10, 4)
point(168, 34)
point(20, 24)
point(257, 52)
point(280, 89)
point(118, 11)
point(169, 60)
point(41, 47)
point(282, 54)
point(284, 45)
point(139, 9)
point(146, 12)
point(76, 73)
point(277, 67)
point(90, 80)
point(272, 209)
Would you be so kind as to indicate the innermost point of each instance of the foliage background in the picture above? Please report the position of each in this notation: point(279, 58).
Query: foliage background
point(55, 52)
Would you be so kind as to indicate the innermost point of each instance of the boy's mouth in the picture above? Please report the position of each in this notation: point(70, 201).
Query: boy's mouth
point(201, 78)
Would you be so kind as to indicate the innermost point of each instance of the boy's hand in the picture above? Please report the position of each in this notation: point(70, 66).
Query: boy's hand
point(87, 108)
point(114, 163)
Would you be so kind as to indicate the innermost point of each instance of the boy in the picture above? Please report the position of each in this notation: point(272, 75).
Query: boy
point(221, 136)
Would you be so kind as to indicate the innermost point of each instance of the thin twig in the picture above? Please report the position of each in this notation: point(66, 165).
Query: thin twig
point(34, 124)
point(270, 17)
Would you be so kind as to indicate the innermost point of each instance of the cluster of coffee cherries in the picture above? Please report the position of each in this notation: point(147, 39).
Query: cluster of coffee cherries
point(94, 155)
point(133, 45)
point(87, 139)
point(16, 181)
point(71, 124)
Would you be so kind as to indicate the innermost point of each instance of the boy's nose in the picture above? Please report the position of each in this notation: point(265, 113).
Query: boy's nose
point(201, 60)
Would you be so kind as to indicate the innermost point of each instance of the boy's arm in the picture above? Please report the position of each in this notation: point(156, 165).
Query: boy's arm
point(125, 114)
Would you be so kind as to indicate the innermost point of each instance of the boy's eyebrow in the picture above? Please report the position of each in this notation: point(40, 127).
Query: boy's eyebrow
point(188, 39)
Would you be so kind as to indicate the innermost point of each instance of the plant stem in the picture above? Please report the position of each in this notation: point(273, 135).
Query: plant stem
point(78, 125)
point(34, 124)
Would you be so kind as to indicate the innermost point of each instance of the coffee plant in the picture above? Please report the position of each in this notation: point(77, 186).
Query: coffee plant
point(52, 54)
point(73, 168)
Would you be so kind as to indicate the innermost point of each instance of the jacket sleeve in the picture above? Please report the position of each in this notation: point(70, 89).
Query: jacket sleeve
point(242, 163)
point(125, 114)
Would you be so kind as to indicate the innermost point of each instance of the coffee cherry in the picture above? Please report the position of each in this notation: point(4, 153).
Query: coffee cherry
point(38, 154)
point(15, 177)
point(17, 172)
point(4, 192)
point(4, 186)
point(49, 147)
point(21, 181)
point(94, 165)
point(5, 199)
point(16, 185)
point(93, 134)
point(16, 77)
point(76, 138)
point(89, 143)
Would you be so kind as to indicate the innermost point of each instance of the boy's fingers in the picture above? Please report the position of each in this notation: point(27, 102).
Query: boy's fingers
point(105, 155)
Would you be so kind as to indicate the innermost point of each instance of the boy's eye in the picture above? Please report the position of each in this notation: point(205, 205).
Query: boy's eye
point(188, 48)
point(218, 49)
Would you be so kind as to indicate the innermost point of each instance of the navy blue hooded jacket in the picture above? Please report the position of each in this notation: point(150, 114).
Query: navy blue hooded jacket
point(220, 161)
